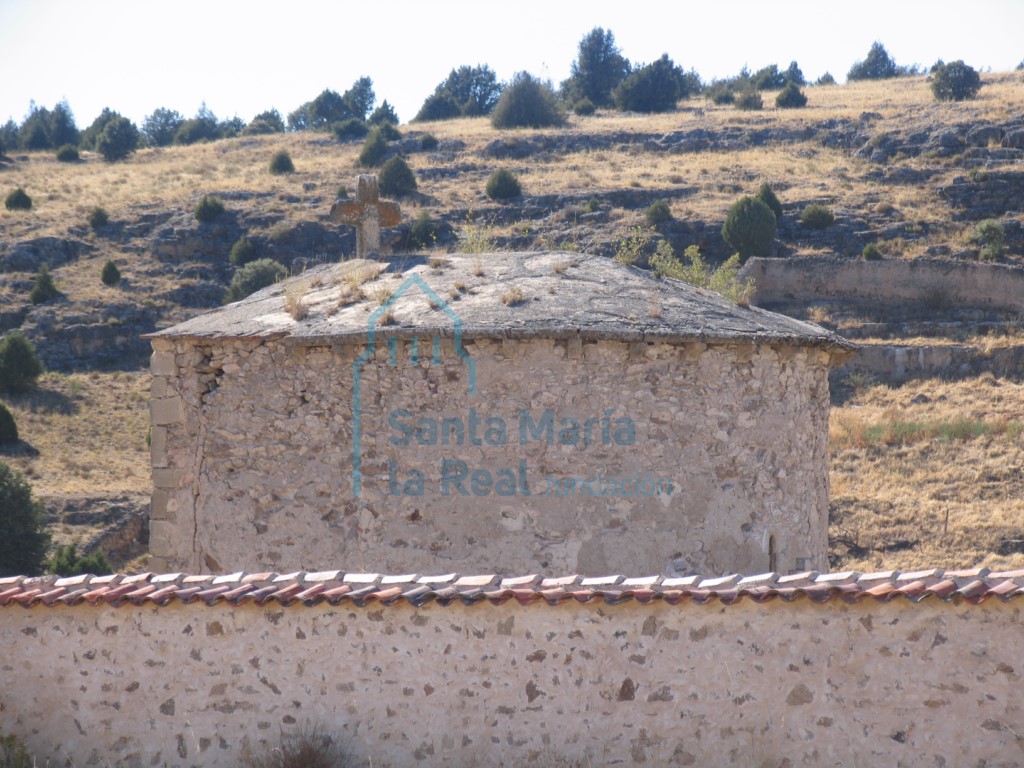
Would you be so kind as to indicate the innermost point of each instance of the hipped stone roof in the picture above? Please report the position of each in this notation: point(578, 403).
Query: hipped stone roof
point(553, 295)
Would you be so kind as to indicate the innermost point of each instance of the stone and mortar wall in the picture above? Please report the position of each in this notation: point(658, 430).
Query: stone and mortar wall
point(929, 684)
point(984, 286)
point(253, 458)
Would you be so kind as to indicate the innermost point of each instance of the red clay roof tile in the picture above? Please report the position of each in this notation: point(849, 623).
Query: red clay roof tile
point(973, 586)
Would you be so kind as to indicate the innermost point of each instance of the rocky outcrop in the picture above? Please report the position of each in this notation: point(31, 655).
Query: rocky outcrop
point(90, 336)
point(985, 195)
point(29, 255)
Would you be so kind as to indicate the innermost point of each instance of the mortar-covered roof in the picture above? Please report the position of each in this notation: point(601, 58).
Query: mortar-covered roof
point(972, 586)
point(495, 295)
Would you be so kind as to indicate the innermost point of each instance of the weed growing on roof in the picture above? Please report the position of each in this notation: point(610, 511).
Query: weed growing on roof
point(630, 248)
point(724, 280)
point(476, 238)
point(295, 300)
point(513, 297)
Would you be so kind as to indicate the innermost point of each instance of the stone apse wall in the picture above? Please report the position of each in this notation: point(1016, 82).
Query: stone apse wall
point(934, 281)
point(866, 684)
point(568, 457)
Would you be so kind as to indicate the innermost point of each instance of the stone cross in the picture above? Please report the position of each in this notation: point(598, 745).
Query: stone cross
point(367, 214)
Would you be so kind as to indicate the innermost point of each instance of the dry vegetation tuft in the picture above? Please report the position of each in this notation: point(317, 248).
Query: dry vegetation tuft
point(90, 431)
point(929, 475)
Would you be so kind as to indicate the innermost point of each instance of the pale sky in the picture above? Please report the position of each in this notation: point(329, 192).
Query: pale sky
point(244, 57)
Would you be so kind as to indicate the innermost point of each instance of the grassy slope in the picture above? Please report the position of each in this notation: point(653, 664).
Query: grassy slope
point(90, 428)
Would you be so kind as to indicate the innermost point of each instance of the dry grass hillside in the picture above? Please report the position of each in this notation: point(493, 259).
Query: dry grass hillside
point(924, 473)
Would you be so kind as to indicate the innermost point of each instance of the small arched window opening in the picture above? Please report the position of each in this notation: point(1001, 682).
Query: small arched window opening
point(773, 555)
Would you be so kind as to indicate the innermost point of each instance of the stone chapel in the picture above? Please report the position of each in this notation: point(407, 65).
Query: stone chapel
point(500, 412)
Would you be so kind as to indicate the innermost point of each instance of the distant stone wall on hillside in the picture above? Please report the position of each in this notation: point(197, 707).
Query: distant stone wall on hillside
point(954, 283)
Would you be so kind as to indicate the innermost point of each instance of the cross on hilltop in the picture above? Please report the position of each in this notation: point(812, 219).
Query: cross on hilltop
point(367, 213)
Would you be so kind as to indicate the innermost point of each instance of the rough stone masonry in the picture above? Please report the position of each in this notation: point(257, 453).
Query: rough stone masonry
point(494, 413)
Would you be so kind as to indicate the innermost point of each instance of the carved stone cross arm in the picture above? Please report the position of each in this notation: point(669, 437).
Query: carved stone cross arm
point(367, 213)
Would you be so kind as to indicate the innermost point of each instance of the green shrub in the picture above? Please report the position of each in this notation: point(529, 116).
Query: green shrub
point(817, 216)
point(658, 212)
point(768, 78)
point(423, 232)
point(652, 88)
point(503, 185)
point(243, 251)
point(396, 178)
point(44, 289)
point(23, 538)
point(749, 100)
point(208, 209)
point(67, 562)
point(428, 143)
point(584, 107)
point(351, 129)
point(871, 253)
point(160, 126)
point(767, 196)
point(19, 365)
point(438, 106)
point(118, 139)
point(720, 93)
point(527, 103)
point(110, 275)
point(955, 81)
point(749, 227)
point(878, 65)
point(389, 131)
point(825, 79)
point(466, 92)
point(374, 149)
point(8, 427)
point(67, 154)
point(281, 163)
point(597, 70)
point(385, 113)
point(990, 235)
point(18, 200)
point(98, 218)
point(254, 276)
point(791, 97)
